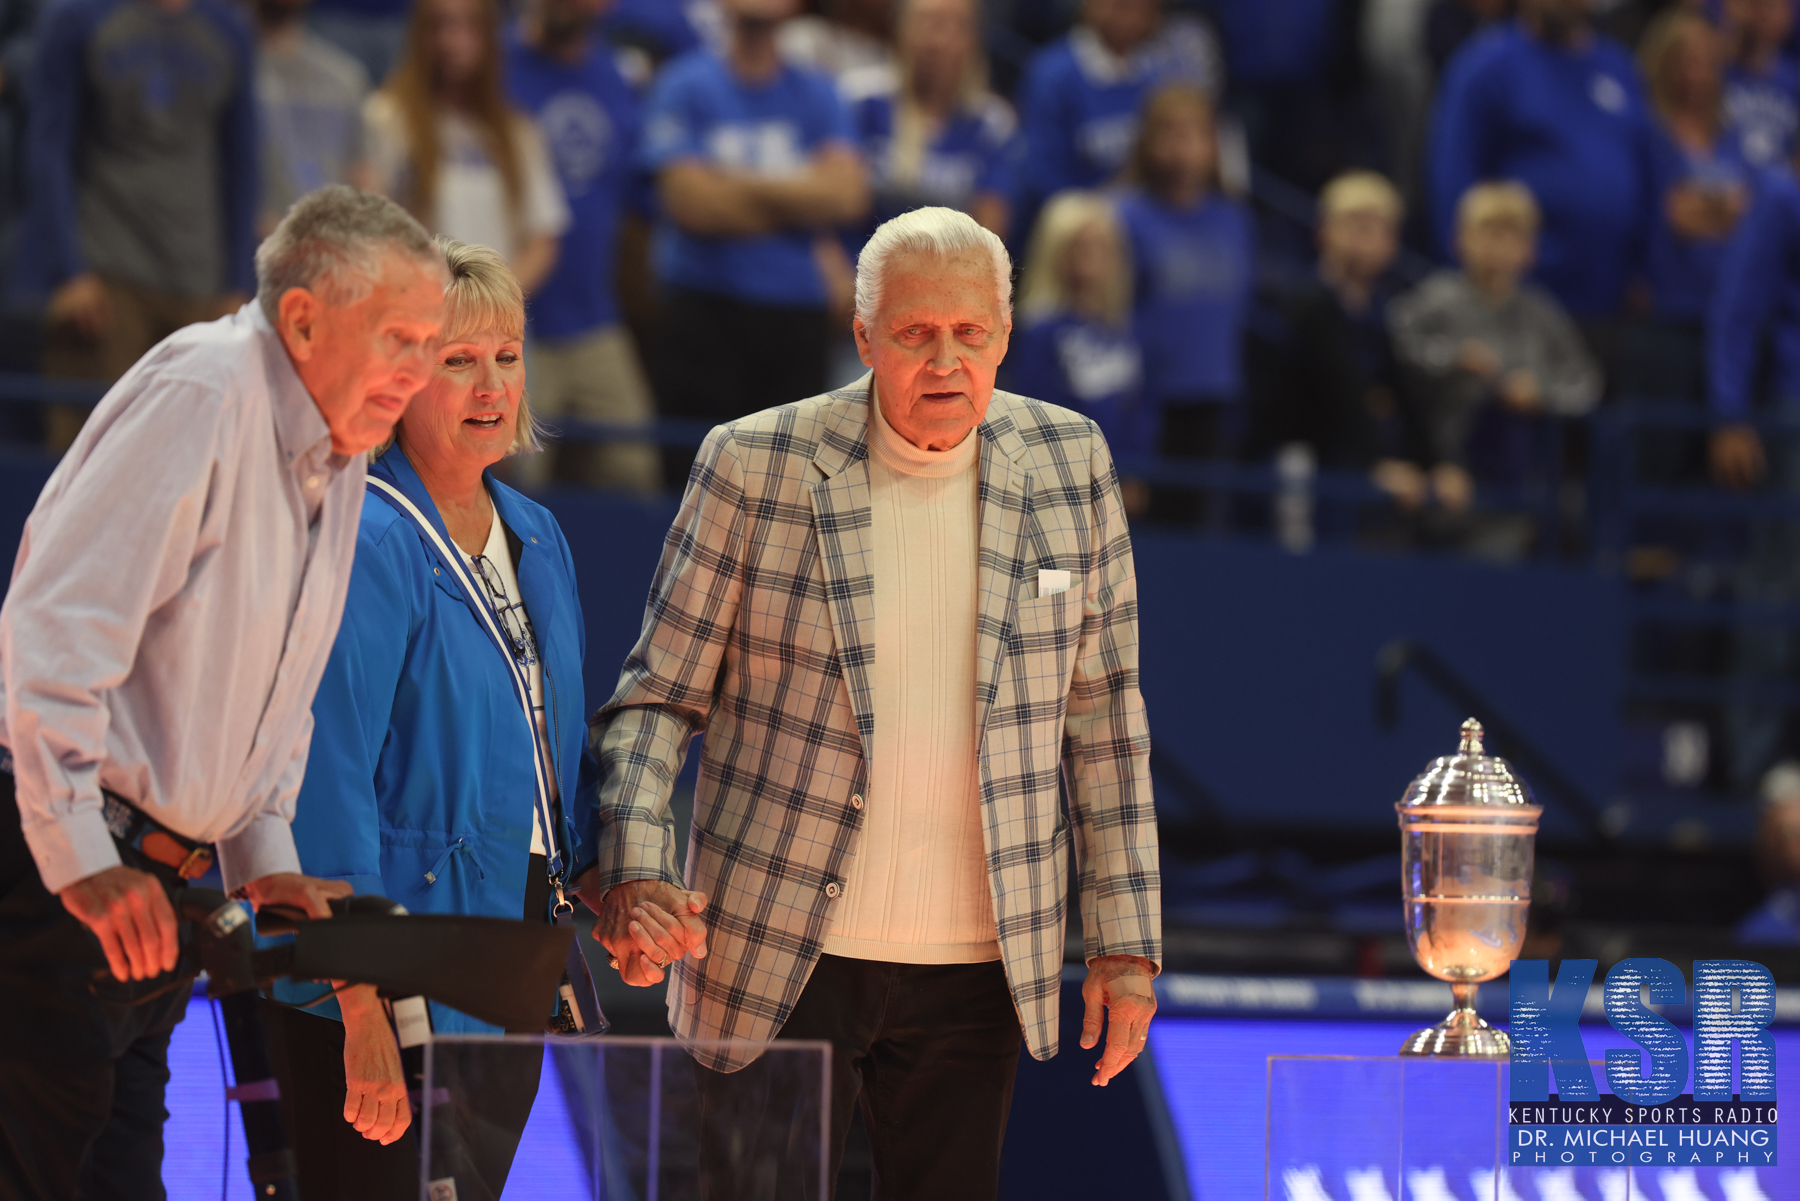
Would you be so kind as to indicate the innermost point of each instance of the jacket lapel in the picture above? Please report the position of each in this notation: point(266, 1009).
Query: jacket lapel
point(841, 517)
point(1004, 494)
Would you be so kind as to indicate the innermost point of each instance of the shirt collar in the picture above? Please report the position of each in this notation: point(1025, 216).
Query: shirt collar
point(299, 426)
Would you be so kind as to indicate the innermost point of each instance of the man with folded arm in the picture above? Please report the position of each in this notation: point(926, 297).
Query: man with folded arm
point(175, 597)
point(903, 614)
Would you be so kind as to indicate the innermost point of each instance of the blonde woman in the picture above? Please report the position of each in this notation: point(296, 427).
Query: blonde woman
point(444, 141)
point(448, 725)
point(1703, 186)
point(932, 131)
point(1073, 344)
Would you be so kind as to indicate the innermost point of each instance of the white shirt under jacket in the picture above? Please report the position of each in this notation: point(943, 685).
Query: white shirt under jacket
point(918, 891)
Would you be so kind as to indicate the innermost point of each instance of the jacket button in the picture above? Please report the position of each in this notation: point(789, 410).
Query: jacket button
point(534, 539)
point(856, 800)
point(832, 890)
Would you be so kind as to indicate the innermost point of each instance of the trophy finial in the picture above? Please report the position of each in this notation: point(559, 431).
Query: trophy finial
point(1471, 738)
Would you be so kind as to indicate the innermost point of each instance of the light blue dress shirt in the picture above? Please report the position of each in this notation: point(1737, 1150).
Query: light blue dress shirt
point(176, 594)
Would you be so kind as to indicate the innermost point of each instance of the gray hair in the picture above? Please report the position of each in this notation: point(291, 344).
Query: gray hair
point(942, 232)
point(330, 242)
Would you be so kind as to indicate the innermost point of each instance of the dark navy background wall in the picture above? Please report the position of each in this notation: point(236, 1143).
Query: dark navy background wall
point(1258, 665)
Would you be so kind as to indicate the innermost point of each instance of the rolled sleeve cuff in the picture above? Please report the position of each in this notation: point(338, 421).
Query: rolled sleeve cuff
point(71, 847)
point(262, 848)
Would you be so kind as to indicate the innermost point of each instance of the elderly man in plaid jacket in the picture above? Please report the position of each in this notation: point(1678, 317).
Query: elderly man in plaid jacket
point(900, 612)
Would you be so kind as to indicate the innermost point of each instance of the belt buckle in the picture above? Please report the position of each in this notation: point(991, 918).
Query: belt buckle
point(197, 864)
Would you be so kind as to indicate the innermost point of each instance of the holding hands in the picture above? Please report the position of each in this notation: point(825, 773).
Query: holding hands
point(645, 925)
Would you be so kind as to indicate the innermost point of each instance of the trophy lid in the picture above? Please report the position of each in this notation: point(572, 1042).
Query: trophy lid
point(1469, 777)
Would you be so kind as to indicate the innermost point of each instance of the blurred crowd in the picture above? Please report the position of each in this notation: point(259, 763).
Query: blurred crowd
point(1392, 237)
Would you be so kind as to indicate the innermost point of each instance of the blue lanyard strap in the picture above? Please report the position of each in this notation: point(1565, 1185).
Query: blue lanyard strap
point(484, 612)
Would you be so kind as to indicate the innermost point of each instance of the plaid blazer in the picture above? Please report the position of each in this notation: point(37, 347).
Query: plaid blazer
point(758, 633)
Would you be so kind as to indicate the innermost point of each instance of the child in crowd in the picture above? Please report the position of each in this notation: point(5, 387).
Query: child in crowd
point(1488, 353)
point(1762, 89)
point(1340, 394)
point(1192, 253)
point(1073, 343)
point(1704, 185)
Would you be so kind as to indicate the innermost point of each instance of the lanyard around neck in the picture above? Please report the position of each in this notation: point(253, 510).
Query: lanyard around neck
point(484, 611)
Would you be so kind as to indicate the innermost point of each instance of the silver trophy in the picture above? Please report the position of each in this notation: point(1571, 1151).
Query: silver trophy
point(1467, 829)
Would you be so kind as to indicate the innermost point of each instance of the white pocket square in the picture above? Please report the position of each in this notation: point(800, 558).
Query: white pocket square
point(1052, 582)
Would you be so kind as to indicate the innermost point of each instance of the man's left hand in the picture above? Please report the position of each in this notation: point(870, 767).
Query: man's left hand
point(1120, 983)
point(309, 894)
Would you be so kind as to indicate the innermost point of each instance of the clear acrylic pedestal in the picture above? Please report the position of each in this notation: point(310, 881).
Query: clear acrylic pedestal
point(1393, 1127)
point(622, 1119)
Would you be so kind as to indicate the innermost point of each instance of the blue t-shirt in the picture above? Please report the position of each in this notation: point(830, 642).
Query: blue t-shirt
point(1089, 366)
point(972, 155)
point(1682, 271)
point(590, 119)
point(1193, 271)
point(1573, 126)
point(1764, 111)
point(700, 110)
point(1079, 107)
point(1277, 41)
point(1757, 301)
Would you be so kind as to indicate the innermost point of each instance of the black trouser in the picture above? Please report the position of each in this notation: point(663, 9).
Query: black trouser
point(929, 1051)
point(723, 358)
point(81, 1073)
point(491, 1090)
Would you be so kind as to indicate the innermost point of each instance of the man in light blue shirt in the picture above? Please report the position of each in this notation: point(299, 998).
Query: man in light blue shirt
point(175, 597)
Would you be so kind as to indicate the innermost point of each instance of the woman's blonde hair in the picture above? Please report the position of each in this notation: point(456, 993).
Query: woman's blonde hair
point(1658, 43)
point(413, 88)
point(1041, 287)
point(484, 296)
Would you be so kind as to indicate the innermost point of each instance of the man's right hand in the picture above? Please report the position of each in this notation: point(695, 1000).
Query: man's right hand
point(81, 301)
point(1737, 457)
point(130, 914)
point(645, 925)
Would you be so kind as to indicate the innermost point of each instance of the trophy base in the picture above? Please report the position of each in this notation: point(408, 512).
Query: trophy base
point(1462, 1035)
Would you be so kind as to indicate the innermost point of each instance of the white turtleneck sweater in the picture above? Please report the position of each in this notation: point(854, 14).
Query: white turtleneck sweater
point(918, 890)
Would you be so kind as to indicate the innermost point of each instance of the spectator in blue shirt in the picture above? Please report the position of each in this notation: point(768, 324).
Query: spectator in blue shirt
point(1081, 95)
point(1552, 103)
point(1762, 89)
point(1073, 343)
point(143, 169)
point(755, 162)
point(931, 130)
point(582, 360)
point(1192, 251)
point(1754, 327)
point(1703, 186)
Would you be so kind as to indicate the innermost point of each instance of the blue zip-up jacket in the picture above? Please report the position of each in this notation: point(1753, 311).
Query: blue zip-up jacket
point(421, 761)
point(1571, 125)
point(1757, 297)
